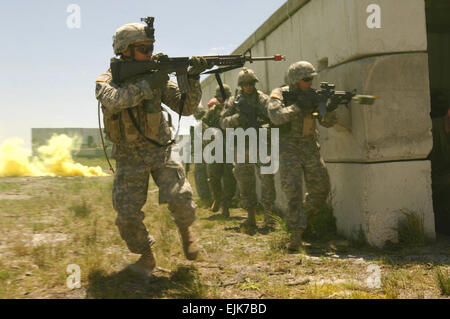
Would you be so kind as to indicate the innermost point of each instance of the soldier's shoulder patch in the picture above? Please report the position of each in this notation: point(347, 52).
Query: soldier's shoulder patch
point(276, 94)
point(105, 77)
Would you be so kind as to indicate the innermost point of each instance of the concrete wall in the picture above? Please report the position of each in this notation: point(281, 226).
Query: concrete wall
point(390, 62)
point(374, 197)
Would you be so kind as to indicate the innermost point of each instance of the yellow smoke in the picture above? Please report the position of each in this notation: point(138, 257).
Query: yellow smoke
point(54, 159)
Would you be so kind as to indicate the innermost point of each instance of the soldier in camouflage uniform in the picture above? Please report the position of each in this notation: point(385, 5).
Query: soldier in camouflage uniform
point(299, 149)
point(218, 172)
point(200, 171)
point(248, 109)
point(139, 154)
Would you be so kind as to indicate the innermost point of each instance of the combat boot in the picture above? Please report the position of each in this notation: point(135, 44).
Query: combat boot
point(251, 219)
point(145, 264)
point(296, 240)
point(269, 220)
point(216, 206)
point(189, 242)
point(225, 211)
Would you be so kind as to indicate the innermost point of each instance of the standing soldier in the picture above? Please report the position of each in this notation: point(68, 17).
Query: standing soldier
point(218, 172)
point(299, 148)
point(142, 145)
point(200, 172)
point(248, 110)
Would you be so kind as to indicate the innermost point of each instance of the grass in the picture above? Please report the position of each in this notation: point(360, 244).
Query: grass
point(443, 281)
point(232, 264)
point(5, 187)
point(279, 240)
point(249, 285)
point(410, 230)
point(4, 275)
point(81, 210)
point(359, 238)
point(321, 226)
point(190, 282)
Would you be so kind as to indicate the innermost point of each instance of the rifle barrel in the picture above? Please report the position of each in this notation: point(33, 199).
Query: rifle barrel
point(277, 57)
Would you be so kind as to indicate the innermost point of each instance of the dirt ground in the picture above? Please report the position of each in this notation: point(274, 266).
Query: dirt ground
point(48, 223)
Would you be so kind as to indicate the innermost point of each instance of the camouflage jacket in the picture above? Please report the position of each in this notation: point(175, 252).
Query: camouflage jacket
point(145, 104)
point(245, 112)
point(213, 116)
point(295, 123)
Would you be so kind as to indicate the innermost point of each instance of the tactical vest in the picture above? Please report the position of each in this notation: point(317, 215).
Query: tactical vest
point(307, 124)
point(250, 107)
point(120, 128)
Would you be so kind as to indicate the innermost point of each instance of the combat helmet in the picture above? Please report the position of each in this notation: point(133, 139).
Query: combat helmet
point(227, 91)
point(131, 33)
point(299, 71)
point(247, 76)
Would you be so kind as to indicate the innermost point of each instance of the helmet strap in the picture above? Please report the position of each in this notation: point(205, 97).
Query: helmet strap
point(131, 52)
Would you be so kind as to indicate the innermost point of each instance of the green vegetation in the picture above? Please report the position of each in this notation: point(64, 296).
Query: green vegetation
point(410, 230)
point(56, 222)
point(81, 210)
point(5, 187)
point(443, 280)
point(321, 226)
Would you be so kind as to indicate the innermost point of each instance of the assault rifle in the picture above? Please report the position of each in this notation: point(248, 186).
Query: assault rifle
point(326, 99)
point(248, 112)
point(122, 70)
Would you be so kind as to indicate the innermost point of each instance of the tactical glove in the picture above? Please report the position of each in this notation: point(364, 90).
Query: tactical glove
point(198, 65)
point(159, 56)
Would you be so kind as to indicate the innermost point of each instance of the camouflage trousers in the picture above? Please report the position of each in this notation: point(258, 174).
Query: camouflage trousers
point(245, 177)
point(201, 182)
point(297, 160)
point(219, 173)
point(134, 164)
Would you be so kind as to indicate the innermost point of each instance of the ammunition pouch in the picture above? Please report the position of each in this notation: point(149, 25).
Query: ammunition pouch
point(120, 127)
point(112, 128)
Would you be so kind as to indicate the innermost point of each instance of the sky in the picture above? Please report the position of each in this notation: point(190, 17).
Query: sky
point(49, 65)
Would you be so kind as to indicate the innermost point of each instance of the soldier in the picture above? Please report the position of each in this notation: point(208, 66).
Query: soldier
point(247, 109)
point(142, 145)
point(218, 172)
point(200, 171)
point(299, 149)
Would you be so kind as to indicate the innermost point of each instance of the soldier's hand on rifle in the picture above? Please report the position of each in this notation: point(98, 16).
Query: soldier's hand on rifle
point(333, 103)
point(159, 56)
point(237, 120)
point(198, 65)
point(296, 108)
point(157, 79)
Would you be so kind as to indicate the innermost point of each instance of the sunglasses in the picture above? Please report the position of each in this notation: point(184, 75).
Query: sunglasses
point(308, 79)
point(145, 48)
